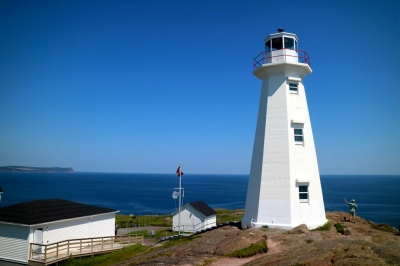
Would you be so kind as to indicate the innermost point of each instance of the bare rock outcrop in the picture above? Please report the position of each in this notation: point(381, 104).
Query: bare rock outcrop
point(364, 245)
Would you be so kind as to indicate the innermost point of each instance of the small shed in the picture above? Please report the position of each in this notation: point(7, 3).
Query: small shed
point(195, 216)
point(47, 221)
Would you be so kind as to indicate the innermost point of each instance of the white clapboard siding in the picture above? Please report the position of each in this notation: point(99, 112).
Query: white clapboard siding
point(102, 225)
point(211, 221)
point(14, 243)
point(187, 219)
point(193, 220)
point(85, 227)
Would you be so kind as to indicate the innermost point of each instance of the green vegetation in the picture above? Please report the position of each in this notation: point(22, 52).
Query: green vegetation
point(384, 227)
point(253, 249)
point(207, 262)
point(224, 215)
point(179, 240)
point(340, 228)
point(123, 221)
point(106, 259)
point(143, 220)
point(326, 227)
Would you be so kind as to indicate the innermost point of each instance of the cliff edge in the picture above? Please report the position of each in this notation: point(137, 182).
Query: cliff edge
point(360, 243)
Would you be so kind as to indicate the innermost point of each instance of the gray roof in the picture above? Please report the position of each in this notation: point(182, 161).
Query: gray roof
point(48, 210)
point(202, 207)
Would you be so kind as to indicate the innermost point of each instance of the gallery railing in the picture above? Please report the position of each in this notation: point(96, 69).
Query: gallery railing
point(282, 55)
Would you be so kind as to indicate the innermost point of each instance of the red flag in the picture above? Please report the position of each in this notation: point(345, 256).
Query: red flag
point(179, 172)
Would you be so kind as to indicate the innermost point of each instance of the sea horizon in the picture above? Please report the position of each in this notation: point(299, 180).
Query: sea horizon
point(149, 193)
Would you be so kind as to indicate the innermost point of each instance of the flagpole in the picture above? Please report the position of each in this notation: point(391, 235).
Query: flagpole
point(180, 199)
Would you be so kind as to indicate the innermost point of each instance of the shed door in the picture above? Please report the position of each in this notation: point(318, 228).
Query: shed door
point(38, 239)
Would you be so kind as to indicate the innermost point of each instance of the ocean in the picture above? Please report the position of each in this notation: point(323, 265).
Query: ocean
point(377, 196)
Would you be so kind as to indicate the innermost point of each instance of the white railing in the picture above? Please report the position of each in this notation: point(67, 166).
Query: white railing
point(58, 251)
point(193, 228)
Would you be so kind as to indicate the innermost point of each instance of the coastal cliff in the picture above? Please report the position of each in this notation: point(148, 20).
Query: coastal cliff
point(338, 243)
point(27, 169)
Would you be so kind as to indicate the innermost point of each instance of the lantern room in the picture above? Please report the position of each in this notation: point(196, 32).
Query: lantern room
point(281, 47)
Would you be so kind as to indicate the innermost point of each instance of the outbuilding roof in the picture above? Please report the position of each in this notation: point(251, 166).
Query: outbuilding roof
point(202, 207)
point(48, 210)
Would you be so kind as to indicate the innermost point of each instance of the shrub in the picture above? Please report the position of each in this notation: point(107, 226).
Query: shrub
point(253, 249)
point(326, 227)
point(340, 228)
point(384, 227)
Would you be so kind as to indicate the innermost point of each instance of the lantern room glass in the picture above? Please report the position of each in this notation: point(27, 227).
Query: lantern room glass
point(281, 43)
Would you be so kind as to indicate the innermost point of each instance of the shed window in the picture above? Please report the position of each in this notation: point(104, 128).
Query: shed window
point(303, 193)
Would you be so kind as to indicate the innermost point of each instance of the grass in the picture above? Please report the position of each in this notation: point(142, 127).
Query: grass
point(224, 215)
point(143, 220)
point(326, 227)
point(253, 249)
point(384, 227)
point(179, 241)
point(122, 255)
point(340, 228)
point(106, 259)
point(123, 221)
point(207, 262)
point(158, 233)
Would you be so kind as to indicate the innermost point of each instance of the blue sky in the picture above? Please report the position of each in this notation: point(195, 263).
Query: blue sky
point(140, 86)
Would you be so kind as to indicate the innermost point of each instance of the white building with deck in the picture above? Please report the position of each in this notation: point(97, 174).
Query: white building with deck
point(49, 221)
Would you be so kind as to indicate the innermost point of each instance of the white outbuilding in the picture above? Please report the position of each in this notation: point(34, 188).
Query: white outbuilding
point(195, 216)
point(284, 188)
point(48, 221)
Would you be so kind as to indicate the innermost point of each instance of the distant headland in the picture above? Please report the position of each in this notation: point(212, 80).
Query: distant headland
point(27, 169)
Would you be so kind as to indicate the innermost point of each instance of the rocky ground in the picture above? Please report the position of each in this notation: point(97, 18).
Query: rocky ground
point(361, 245)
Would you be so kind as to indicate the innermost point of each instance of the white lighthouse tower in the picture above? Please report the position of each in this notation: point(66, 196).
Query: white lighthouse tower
point(284, 187)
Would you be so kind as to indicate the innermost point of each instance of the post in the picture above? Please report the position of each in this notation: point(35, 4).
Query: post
point(180, 199)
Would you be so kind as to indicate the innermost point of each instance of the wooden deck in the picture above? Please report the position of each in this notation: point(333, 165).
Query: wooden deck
point(46, 254)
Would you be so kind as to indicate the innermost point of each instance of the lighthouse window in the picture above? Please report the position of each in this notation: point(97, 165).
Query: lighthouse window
point(277, 44)
point(298, 135)
point(289, 43)
point(293, 87)
point(303, 193)
point(268, 46)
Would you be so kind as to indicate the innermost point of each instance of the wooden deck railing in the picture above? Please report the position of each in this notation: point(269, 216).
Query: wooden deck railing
point(45, 254)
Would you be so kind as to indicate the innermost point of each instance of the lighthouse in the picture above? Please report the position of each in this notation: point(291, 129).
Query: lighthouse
point(284, 188)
